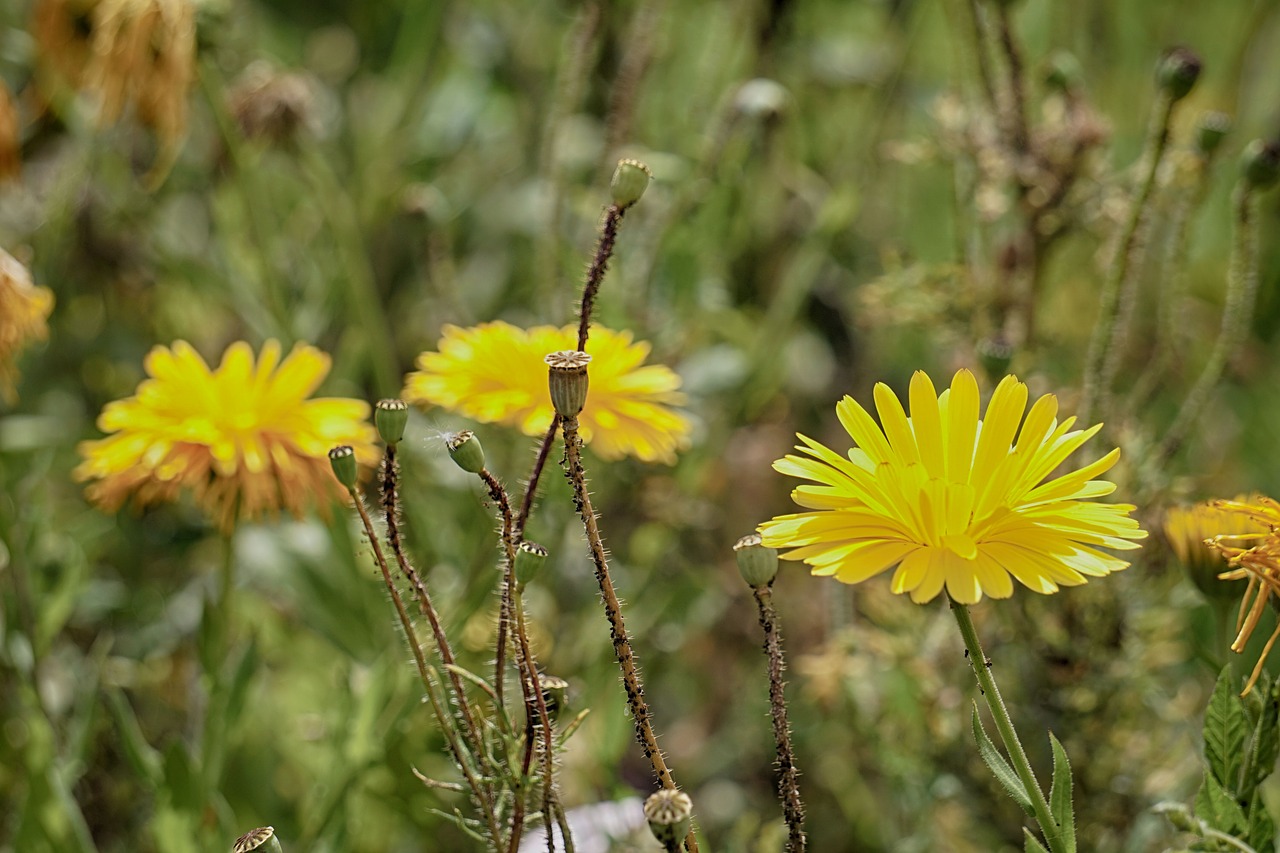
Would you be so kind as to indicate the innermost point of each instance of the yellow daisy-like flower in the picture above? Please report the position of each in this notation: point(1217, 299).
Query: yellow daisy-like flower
point(953, 500)
point(1258, 563)
point(1187, 530)
point(495, 373)
point(24, 310)
point(244, 438)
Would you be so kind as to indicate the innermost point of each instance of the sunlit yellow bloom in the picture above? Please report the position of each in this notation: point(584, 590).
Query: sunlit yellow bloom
point(1187, 528)
point(1254, 556)
point(495, 373)
point(952, 500)
point(24, 308)
point(244, 438)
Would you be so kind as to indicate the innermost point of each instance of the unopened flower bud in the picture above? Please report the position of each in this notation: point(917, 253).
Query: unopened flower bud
point(996, 355)
point(262, 839)
point(630, 180)
point(391, 417)
point(466, 451)
point(343, 461)
point(757, 564)
point(555, 693)
point(1178, 71)
point(1260, 164)
point(530, 558)
point(567, 381)
point(1210, 131)
point(670, 814)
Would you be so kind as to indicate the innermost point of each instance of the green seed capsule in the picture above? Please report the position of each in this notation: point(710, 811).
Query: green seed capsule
point(630, 180)
point(391, 417)
point(343, 461)
point(466, 451)
point(757, 564)
point(530, 558)
point(567, 381)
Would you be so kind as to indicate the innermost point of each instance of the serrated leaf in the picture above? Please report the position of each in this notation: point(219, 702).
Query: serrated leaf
point(1060, 796)
point(1264, 746)
point(999, 766)
point(1262, 829)
point(1225, 728)
point(1218, 809)
point(1031, 843)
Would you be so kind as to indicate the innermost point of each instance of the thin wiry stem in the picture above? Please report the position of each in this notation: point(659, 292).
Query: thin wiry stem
point(596, 269)
point(424, 673)
point(1019, 132)
point(613, 612)
point(1237, 313)
point(391, 516)
point(788, 773)
point(535, 474)
point(1100, 363)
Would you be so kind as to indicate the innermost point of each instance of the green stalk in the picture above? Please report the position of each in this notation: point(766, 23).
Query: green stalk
point(1004, 724)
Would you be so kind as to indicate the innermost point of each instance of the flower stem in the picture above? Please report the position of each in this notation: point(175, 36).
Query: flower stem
point(1237, 314)
point(613, 612)
point(788, 773)
point(1004, 724)
point(535, 474)
point(1102, 358)
point(596, 269)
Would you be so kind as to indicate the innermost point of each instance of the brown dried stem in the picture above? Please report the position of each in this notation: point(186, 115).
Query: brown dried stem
point(613, 612)
point(788, 774)
point(596, 269)
point(535, 474)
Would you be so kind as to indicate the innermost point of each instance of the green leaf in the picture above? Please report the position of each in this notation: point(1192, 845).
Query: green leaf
point(1031, 843)
point(182, 780)
point(1264, 745)
point(999, 766)
point(1216, 807)
point(1225, 728)
point(1060, 796)
point(142, 756)
point(1262, 829)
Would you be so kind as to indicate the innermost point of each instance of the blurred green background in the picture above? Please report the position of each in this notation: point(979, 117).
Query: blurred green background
point(806, 235)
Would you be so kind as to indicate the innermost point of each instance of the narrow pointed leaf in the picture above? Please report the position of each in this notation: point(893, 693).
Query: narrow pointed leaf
point(999, 766)
point(1032, 844)
point(1060, 796)
point(1225, 728)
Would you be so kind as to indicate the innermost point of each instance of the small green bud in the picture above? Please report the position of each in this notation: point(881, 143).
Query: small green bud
point(343, 461)
point(391, 417)
point(530, 558)
point(757, 564)
point(263, 838)
point(1210, 131)
point(1177, 72)
point(670, 814)
point(996, 355)
point(630, 180)
point(555, 693)
point(1062, 72)
point(1260, 164)
point(466, 451)
point(567, 381)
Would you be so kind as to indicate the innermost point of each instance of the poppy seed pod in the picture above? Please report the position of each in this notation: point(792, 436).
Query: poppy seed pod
point(530, 558)
point(1260, 164)
point(466, 451)
point(670, 814)
point(757, 564)
point(630, 180)
point(391, 417)
point(567, 381)
point(1178, 71)
point(343, 461)
point(262, 839)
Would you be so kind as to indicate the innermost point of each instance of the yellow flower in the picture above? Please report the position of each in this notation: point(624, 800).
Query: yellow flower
point(24, 308)
point(244, 438)
point(952, 500)
point(1187, 528)
point(495, 373)
point(1258, 563)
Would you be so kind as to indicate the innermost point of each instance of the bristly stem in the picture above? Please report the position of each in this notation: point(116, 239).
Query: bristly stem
point(424, 673)
point(576, 474)
point(1004, 724)
point(499, 497)
point(535, 474)
point(1237, 314)
point(596, 269)
point(390, 471)
point(788, 773)
point(543, 717)
point(1103, 356)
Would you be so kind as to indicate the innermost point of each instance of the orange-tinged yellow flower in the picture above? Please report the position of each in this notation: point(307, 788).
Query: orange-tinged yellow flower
point(1186, 529)
point(1258, 563)
point(244, 438)
point(24, 310)
point(952, 500)
point(495, 373)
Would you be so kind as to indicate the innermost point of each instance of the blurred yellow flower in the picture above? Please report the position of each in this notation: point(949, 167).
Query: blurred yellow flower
point(952, 500)
point(495, 373)
point(1258, 563)
point(24, 308)
point(244, 438)
point(1186, 529)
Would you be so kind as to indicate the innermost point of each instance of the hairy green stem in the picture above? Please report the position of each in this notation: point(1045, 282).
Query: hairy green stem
point(1004, 724)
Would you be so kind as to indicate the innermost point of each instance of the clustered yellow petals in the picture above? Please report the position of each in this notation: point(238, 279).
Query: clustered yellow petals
point(1253, 556)
point(1187, 530)
point(24, 310)
point(952, 500)
point(244, 438)
point(496, 373)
